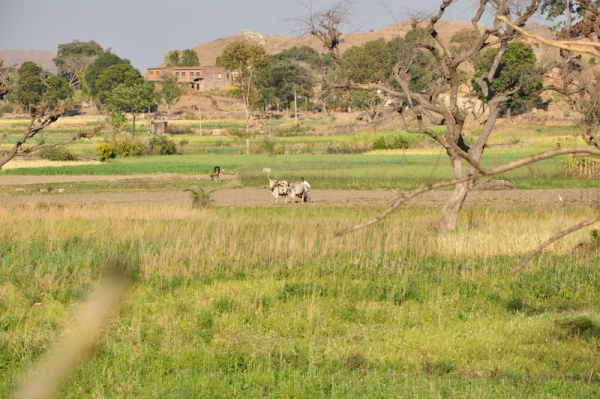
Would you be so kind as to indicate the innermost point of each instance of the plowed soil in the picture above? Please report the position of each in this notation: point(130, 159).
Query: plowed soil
point(233, 196)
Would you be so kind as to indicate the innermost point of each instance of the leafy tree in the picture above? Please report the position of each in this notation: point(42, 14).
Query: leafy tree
point(247, 60)
point(132, 98)
point(93, 71)
point(58, 90)
point(517, 71)
point(304, 54)
point(181, 58)
point(283, 79)
point(190, 58)
point(172, 58)
point(72, 58)
point(113, 76)
point(30, 87)
point(170, 91)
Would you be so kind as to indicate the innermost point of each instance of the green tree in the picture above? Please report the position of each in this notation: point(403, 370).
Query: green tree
point(517, 73)
point(133, 98)
point(304, 54)
point(187, 57)
point(247, 61)
point(190, 58)
point(72, 58)
point(170, 91)
point(172, 58)
point(284, 79)
point(58, 90)
point(30, 88)
point(113, 76)
point(100, 64)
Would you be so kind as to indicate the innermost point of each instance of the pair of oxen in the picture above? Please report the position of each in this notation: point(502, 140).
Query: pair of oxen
point(291, 191)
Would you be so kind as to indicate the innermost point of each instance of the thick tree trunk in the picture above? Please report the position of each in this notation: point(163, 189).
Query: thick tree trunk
point(454, 204)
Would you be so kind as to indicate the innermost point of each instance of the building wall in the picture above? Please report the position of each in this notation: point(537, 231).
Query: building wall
point(201, 78)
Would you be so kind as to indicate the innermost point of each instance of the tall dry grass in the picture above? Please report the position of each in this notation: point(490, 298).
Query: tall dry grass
point(270, 300)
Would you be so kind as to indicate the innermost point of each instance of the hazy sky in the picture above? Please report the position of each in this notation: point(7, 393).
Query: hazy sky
point(144, 30)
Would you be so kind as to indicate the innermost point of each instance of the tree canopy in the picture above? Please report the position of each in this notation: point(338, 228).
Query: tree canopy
point(58, 90)
point(187, 57)
point(113, 76)
point(93, 71)
point(30, 87)
point(170, 90)
point(133, 98)
point(517, 70)
point(72, 58)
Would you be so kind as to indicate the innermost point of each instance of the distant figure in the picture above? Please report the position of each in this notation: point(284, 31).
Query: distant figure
point(216, 174)
point(306, 194)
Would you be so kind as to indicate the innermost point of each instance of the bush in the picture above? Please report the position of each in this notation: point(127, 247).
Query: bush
point(128, 147)
point(398, 142)
point(380, 144)
point(105, 151)
point(6, 109)
point(59, 153)
point(162, 145)
point(200, 198)
point(179, 129)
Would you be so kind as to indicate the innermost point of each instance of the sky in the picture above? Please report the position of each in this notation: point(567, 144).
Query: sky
point(143, 31)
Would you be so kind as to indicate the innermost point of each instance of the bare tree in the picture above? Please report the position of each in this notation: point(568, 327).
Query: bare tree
point(325, 25)
point(4, 85)
point(40, 117)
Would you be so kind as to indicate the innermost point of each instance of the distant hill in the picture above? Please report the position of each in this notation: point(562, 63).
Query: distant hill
point(209, 51)
point(41, 57)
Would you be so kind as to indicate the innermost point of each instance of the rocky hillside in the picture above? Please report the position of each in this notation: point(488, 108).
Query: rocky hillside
point(208, 52)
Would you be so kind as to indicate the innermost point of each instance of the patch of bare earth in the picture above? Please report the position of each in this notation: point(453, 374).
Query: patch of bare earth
point(231, 196)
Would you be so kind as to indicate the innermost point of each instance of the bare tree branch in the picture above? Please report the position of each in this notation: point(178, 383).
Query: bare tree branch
point(557, 237)
point(407, 195)
point(39, 120)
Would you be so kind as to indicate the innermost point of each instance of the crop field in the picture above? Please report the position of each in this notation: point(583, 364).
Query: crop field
point(250, 301)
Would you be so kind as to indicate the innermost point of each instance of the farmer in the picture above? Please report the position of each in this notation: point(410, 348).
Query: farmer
point(306, 195)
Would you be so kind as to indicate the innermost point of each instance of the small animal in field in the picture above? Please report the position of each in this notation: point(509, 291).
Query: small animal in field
point(216, 174)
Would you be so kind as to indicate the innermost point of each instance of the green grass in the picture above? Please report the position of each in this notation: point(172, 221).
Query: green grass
point(233, 302)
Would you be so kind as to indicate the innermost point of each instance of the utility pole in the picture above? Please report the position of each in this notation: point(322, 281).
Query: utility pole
point(296, 106)
point(200, 118)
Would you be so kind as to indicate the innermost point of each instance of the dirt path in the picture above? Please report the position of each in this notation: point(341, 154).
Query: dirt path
point(257, 197)
point(13, 180)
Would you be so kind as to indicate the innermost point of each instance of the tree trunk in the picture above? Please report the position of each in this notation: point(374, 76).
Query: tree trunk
point(133, 124)
point(454, 204)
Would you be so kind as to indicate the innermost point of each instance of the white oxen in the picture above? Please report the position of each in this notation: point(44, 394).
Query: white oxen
point(297, 190)
point(279, 188)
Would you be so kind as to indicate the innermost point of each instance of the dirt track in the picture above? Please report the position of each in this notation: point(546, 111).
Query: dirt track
point(231, 196)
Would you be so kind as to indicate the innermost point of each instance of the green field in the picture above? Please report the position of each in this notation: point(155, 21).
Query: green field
point(268, 302)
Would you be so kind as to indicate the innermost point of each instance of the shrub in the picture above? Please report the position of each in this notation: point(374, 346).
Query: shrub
point(105, 151)
point(380, 144)
point(59, 153)
point(128, 147)
point(162, 145)
point(179, 129)
point(200, 198)
point(6, 109)
point(398, 142)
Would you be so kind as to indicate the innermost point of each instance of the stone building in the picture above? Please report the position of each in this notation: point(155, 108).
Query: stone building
point(200, 78)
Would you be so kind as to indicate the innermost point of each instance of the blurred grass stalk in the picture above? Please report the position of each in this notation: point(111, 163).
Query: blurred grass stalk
point(77, 343)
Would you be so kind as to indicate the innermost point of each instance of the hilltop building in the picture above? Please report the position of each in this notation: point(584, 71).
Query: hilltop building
point(200, 78)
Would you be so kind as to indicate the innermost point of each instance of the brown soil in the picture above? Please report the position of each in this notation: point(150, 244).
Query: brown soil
point(230, 196)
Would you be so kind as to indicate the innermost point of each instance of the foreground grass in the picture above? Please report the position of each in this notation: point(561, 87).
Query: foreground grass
point(251, 303)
